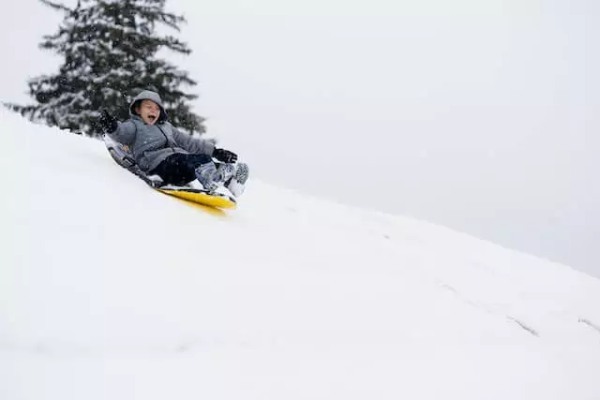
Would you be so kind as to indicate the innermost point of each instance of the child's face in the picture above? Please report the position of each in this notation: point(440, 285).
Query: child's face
point(149, 111)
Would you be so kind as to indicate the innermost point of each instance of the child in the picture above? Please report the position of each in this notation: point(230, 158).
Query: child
point(160, 149)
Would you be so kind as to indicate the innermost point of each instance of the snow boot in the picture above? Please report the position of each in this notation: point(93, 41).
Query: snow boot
point(207, 175)
point(237, 183)
point(225, 172)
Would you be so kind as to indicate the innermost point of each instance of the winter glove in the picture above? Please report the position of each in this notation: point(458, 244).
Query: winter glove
point(225, 156)
point(107, 122)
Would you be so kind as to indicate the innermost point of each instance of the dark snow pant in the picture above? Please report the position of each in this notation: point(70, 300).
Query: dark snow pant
point(179, 169)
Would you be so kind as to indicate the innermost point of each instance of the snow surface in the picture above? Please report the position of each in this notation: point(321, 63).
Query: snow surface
point(109, 290)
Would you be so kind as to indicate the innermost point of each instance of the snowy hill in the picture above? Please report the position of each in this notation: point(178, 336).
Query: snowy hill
point(109, 290)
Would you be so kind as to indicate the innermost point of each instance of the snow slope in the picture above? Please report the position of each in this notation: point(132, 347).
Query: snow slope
point(109, 290)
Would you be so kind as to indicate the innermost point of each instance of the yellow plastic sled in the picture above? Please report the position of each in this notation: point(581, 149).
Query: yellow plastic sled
point(200, 197)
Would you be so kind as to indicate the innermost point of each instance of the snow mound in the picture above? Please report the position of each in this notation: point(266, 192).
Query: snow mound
point(109, 290)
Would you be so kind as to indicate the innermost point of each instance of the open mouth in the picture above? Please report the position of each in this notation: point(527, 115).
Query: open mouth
point(152, 117)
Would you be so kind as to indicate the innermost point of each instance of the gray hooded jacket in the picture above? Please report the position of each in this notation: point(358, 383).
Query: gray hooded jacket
point(151, 144)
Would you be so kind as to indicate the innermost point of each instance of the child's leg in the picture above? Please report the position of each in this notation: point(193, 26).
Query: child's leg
point(179, 169)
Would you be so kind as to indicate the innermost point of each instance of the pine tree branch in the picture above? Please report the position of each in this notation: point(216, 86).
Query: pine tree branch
point(57, 6)
point(172, 20)
point(175, 45)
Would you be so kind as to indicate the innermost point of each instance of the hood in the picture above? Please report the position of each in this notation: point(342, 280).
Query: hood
point(148, 95)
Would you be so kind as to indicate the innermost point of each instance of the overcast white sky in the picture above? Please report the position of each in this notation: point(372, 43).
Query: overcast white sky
point(479, 115)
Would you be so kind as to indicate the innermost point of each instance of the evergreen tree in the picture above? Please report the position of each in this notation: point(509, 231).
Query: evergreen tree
point(110, 54)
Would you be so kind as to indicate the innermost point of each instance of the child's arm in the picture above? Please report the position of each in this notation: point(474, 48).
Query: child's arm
point(193, 144)
point(125, 132)
point(122, 132)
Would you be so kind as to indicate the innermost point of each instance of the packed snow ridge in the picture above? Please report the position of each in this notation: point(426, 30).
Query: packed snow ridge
point(110, 290)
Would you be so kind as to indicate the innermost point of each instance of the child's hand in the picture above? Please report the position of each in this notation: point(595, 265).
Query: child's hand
point(107, 122)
